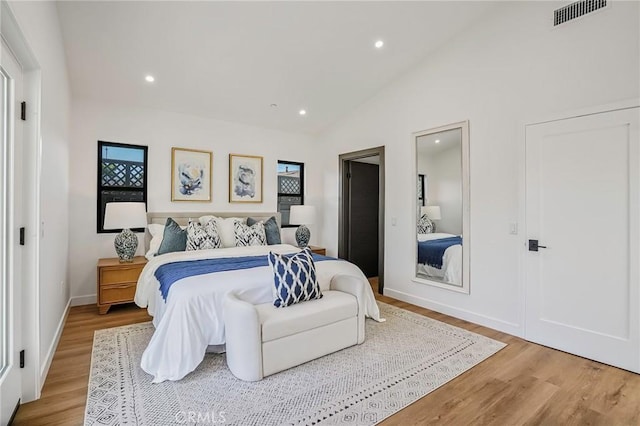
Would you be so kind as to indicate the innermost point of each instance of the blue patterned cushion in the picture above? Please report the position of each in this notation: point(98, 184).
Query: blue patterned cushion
point(271, 229)
point(246, 236)
point(174, 238)
point(203, 237)
point(294, 276)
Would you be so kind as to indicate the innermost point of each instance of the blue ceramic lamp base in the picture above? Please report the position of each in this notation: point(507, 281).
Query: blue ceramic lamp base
point(302, 236)
point(126, 244)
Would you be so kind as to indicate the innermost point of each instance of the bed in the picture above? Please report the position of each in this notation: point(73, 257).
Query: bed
point(188, 317)
point(440, 257)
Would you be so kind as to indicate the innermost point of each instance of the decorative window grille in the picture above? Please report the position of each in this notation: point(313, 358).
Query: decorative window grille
point(128, 174)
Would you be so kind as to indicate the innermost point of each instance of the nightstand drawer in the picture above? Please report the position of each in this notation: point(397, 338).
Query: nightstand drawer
point(121, 275)
point(117, 293)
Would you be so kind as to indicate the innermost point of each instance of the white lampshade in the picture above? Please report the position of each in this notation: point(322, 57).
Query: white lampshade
point(302, 215)
point(432, 212)
point(125, 216)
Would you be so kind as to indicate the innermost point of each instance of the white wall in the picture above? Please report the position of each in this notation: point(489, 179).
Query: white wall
point(160, 131)
point(39, 23)
point(443, 186)
point(508, 67)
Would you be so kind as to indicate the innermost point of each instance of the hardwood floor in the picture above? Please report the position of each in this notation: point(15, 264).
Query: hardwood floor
point(522, 384)
point(65, 391)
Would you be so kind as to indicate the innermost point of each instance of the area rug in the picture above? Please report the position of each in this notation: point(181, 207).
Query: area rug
point(401, 360)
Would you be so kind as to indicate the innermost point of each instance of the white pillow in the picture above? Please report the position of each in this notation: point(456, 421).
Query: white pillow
point(225, 228)
point(157, 232)
point(205, 219)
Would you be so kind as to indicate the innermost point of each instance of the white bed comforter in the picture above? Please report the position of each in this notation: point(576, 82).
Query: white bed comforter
point(191, 319)
point(451, 271)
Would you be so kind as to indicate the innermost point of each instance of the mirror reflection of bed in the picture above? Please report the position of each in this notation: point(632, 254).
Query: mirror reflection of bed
point(439, 225)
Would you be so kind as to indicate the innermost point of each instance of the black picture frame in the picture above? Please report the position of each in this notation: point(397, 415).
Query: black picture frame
point(421, 197)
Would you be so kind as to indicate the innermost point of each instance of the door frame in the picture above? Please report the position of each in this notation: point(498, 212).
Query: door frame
point(522, 184)
point(32, 376)
point(343, 209)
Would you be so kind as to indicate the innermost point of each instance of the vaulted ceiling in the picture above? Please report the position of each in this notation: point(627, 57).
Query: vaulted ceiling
point(233, 60)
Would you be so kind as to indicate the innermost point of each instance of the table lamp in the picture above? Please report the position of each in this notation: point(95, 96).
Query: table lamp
point(125, 216)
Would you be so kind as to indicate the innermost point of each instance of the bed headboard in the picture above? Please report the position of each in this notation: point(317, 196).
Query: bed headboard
point(182, 218)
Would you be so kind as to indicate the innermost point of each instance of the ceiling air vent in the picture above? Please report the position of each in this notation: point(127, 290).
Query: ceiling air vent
point(576, 10)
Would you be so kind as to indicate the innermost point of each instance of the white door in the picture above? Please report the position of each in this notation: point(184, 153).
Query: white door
point(10, 216)
point(582, 202)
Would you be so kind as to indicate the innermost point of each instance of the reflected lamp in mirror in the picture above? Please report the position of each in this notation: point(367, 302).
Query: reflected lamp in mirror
point(303, 216)
point(433, 213)
point(125, 216)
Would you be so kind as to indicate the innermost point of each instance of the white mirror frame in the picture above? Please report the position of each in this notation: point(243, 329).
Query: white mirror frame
point(464, 126)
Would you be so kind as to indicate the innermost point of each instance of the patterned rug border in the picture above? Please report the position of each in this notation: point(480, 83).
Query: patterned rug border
point(327, 411)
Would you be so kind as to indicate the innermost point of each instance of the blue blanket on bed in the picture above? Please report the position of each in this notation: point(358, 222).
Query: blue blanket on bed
point(169, 273)
point(432, 251)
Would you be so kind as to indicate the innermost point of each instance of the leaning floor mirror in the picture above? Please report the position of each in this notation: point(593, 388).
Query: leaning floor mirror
point(442, 207)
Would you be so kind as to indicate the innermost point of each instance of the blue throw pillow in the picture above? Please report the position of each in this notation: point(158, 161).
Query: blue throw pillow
point(271, 229)
point(174, 238)
point(294, 276)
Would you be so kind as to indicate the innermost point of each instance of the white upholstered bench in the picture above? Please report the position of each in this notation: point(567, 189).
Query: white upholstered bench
point(262, 340)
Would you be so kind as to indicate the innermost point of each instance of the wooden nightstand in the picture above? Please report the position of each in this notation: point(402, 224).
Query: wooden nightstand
point(318, 250)
point(117, 281)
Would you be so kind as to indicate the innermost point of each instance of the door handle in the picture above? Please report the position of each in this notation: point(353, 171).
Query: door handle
point(534, 246)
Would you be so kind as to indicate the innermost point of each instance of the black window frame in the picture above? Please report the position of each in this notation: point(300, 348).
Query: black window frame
point(281, 194)
point(99, 212)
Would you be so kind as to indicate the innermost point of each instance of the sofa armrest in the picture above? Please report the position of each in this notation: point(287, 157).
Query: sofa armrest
point(243, 335)
point(355, 287)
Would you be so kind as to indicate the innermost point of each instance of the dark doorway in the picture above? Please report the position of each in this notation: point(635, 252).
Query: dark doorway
point(363, 223)
point(361, 211)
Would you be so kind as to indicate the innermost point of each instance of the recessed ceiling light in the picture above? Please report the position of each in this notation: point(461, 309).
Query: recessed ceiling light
point(437, 140)
point(150, 78)
point(379, 44)
point(302, 112)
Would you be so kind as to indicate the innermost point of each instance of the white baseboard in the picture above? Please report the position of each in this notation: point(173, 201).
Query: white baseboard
point(484, 320)
point(88, 299)
point(44, 369)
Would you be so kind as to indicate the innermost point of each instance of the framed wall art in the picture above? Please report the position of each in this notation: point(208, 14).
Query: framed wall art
point(245, 178)
point(191, 174)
